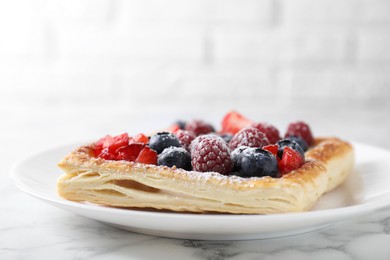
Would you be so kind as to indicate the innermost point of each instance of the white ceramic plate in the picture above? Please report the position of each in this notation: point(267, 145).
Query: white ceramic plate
point(367, 189)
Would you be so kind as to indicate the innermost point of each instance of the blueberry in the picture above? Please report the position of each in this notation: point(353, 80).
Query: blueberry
point(292, 144)
point(256, 162)
point(226, 137)
point(182, 124)
point(236, 157)
point(300, 141)
point(162, 140)
point(177, 156)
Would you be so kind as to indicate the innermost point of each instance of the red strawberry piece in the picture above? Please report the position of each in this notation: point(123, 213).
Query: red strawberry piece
point(173, 128)
point(98, 145)
point(300, 129)
point(106, 154)
point(141, 138)
point(185, 138)
point(211, 155)
point(234, 122)
point(199, 127)
point(270, 131)
point(147, 156)
point(111, 144)
point(117, 142)
point(248, 136)
point(101, 141)
point(273, 148)
point(290, 161)
point(129, 152)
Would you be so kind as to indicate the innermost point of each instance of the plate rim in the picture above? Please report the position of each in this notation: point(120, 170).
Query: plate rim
point(356, 209)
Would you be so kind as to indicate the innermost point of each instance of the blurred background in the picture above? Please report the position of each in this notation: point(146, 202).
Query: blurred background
point(77, 70)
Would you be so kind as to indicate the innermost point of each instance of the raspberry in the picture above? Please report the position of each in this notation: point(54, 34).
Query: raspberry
point(201, 138)
point(248, 136)
point(300, 129)
point(199, 127)
point(185, 138)
point(211, 155)
point(270, 131)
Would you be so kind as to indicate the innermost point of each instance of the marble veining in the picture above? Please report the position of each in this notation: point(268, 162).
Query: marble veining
point(39, 231)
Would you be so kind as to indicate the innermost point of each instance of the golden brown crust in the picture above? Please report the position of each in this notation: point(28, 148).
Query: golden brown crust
point(128, 184)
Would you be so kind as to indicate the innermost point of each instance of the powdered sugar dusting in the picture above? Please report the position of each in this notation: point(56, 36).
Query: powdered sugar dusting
point(248, 136)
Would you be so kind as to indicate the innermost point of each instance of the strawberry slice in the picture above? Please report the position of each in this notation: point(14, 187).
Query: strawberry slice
point(273, 148)
point(116, 142)
point(234, 122)
point(106, 154)
point(99, 145)
point(147, 156)
point(173, 128)
point(140, 138)
point(129, 152)
point(290, 161)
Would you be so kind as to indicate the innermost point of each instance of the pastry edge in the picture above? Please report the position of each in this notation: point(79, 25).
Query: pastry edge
point(128, 184)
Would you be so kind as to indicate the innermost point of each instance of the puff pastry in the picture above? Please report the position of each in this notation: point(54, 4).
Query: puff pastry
point(134, 185)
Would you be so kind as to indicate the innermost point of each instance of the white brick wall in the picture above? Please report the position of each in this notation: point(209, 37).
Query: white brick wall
point(151, 54)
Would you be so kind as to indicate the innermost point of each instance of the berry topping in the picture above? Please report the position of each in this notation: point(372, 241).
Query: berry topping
point(147, 156)
point(119, 141)
point(175, 156)
point(249, 149)
point(199, 127)
point(129, 152)
point(234, 122)
point(256, 162)
point(288, 143)
point(99, 145)
point(173, 128)
point(302, 130)
point(185, 138)
point(291, 160)
point(226, 137)
point(140, 138)
point(108, 145)
point(211, 155)
point(273, 148)
point(123, 147)
point(248, 136)
point(162, 140)
point(300, 141)
point(106, 154)
point(201, 138)
point(236, 157)
point(181, 124)
point(270, 131)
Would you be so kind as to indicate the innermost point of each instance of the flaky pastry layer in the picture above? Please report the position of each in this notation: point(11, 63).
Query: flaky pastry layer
point(134, 185)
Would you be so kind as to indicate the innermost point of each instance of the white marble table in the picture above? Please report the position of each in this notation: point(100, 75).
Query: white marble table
point(31, 229)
